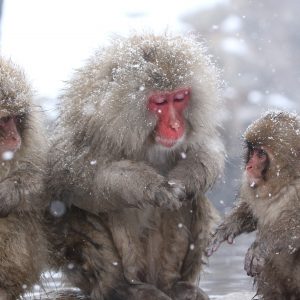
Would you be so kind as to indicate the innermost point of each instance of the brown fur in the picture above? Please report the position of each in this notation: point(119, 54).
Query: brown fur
point(273, 208)
point(23, 248)
point(105, 162)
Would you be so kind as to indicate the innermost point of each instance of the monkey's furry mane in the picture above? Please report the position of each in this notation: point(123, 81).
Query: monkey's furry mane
point(15, 92)
point(111, 91)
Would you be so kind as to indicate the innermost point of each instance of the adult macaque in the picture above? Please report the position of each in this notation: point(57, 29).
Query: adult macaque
point(269, 202)
point(136, 149)
point(23, 249)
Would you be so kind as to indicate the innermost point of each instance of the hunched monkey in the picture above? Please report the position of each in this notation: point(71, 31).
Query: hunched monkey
point(136, 149)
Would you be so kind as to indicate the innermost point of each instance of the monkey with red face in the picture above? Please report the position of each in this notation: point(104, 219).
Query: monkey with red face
point(136, 150)
point(269, 202)
point(23, 246)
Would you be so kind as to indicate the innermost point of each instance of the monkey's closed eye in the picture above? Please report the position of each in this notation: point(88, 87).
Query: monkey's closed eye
point(159, 100)
point(179, 97)
point(161, 103)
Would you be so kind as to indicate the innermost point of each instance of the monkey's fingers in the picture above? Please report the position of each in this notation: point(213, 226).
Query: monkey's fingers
point(170, 195)
point(214, 245)
point(230, 239)
point(177, 188)
point(165, 199)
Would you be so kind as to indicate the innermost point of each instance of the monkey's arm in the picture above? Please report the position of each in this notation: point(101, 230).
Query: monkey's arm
point(239, 221)
point(125, 184)
point(198, 169)
point(21, 189)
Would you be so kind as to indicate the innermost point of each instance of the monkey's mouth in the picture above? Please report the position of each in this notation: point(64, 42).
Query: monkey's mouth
point(168, 143)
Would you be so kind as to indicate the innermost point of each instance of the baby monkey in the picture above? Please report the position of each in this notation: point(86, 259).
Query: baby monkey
point(269, 202)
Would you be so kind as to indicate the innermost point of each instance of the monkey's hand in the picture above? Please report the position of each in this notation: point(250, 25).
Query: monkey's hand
point(223, 233)
point(167, 194)
point(254, 261)
point(9, 197)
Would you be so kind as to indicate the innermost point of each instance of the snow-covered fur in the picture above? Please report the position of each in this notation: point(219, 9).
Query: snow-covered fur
point(104, 161)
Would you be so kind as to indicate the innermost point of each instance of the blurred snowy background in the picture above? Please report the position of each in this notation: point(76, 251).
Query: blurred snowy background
point(255, 42)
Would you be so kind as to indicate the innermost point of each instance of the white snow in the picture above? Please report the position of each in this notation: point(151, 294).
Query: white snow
point(231, 24)
point(57, 208)
point(235, 46)
point(280, 101)
point(7, 155)
point(255, 97)
point(183, 155)
point(71, 266)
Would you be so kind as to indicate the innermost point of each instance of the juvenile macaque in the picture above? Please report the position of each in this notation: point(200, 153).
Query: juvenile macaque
point(269, 202)
point(136, 149)
point(22, 161)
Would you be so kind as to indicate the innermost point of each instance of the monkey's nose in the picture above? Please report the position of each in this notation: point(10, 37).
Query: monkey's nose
point(175, 125)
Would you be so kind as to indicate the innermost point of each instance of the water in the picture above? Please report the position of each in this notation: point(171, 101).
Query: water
point(224, 276)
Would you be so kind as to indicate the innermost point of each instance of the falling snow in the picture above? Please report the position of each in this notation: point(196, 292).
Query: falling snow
point(8, 155)
point(57, 208)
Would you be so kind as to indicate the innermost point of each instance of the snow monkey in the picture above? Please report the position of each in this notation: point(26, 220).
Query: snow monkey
point(23, 247)
point(269, 202)
point(137, 148)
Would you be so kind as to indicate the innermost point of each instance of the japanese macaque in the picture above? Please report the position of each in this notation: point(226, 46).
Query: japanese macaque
point(23, 248)
point(137, 148)
point(269, 202)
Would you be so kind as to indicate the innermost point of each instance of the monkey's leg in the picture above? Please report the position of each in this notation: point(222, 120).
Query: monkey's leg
point(187, 291)
point(269, 285)
point(22, 255)
point(4, 295)
point(146, 292)
point(141, 291)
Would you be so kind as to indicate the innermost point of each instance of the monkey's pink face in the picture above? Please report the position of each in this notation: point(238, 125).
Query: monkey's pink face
point(257, 165)
point(10, 139)
point(169, 107)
